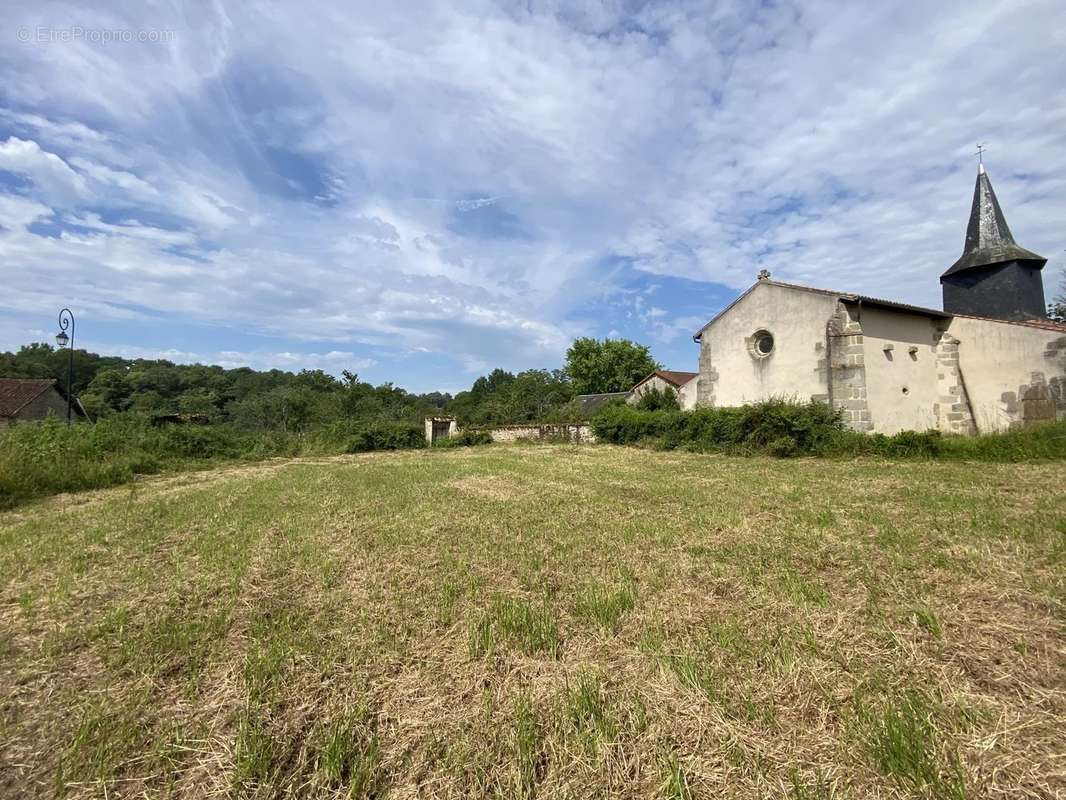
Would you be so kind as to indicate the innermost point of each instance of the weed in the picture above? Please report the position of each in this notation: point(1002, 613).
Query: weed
point(692, 671)
point(449, 593)
point(604, 606)
point(528, 749)
point(530, 628)
point(675, 783)
point(925, 618)
point(815, 788)
point(254, 749)
point(481, 641)
point(904, 743)
point(348, 753)
point(107, 735)
point(586, 708)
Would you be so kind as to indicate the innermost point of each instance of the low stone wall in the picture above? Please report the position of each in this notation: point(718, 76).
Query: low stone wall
point(577, 433)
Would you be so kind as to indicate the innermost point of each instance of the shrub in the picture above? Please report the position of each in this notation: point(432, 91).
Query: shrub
point(470, 438)
point(664, 399)
point(387, 436)
point(52, 457)
point(774, 426)
point(786, 429)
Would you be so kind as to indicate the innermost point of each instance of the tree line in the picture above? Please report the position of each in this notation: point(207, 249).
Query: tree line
point(299, 401)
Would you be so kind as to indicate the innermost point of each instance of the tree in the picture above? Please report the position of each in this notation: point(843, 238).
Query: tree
point(613, 365)
point(1056, 309)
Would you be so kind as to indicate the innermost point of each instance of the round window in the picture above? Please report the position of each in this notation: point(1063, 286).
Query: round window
point(762, 343)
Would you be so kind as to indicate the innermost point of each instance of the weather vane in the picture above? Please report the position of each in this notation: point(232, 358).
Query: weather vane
point(981, 147)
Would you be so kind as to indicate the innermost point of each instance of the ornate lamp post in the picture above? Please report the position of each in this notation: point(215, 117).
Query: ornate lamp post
point(66, 320)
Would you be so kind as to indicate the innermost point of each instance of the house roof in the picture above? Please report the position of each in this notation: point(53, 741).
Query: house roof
point(988, 238)
point(591, 403)
point(849, 297)
point(673, 377)
point(16, 393)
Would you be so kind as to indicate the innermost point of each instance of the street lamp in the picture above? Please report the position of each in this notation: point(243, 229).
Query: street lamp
point(66, 320)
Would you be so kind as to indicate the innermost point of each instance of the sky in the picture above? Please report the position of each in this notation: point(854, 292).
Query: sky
point(421, 192)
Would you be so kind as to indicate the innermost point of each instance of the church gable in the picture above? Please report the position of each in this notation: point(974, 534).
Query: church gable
point(765, 344)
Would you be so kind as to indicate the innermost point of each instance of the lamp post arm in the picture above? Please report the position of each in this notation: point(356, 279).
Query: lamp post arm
point(66, 320)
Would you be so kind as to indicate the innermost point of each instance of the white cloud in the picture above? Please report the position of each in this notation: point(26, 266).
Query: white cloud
point(333, 362)
point(455, 181)
point(52, 177)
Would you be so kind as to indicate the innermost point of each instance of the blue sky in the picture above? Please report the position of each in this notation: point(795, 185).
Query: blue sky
point(421, 192)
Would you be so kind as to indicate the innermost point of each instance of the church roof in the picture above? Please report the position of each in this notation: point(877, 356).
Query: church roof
point(878, 302)
point(988, 239)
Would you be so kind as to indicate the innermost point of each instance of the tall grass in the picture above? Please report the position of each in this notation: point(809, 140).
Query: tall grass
point(52, 457)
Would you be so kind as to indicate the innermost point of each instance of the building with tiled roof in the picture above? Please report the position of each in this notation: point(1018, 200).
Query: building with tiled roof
point(32, 399)
point(682, 384)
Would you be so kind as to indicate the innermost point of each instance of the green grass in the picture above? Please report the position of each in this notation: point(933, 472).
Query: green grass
point(675, 782)
point(539, 621)
point(904, 742)
point(604, 605)
point(587, 709)
point(528, 746)
point(528, 627)
point(349, 753)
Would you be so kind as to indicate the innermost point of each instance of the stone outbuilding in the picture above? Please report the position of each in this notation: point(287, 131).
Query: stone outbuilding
point(988, 362)
point(440, 427)
point(32, 400)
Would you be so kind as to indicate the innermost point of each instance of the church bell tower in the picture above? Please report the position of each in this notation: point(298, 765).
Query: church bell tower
point(994, 277)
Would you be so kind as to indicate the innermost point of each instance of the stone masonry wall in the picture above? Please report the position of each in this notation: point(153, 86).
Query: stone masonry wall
point(953, 411)
point(847, 369)
point(577, 433)
point(708, 377)
point(1055, 357)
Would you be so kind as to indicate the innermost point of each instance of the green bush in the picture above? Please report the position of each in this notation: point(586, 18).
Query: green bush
point(785, 429)
point(387, 436)
point(465, 439)
point(776, 426)
point(664, 399)
point(1039, 443)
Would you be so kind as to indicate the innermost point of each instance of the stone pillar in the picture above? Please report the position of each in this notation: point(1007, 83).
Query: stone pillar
point(953, 411)
point(708, 377)
point(847, 370)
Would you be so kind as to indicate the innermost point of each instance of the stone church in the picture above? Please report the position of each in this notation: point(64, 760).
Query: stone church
point(989, 361)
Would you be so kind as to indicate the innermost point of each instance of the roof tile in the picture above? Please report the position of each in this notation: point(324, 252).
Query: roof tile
point(17, 392)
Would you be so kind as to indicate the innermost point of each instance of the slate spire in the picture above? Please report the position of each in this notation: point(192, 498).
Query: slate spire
point(988, 239)
point(993, 277)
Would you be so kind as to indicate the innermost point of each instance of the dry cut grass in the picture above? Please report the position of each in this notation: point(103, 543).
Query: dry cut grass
point(540, 622)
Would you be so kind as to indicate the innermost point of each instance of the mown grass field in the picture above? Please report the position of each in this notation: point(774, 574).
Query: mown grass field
point(546, 621)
